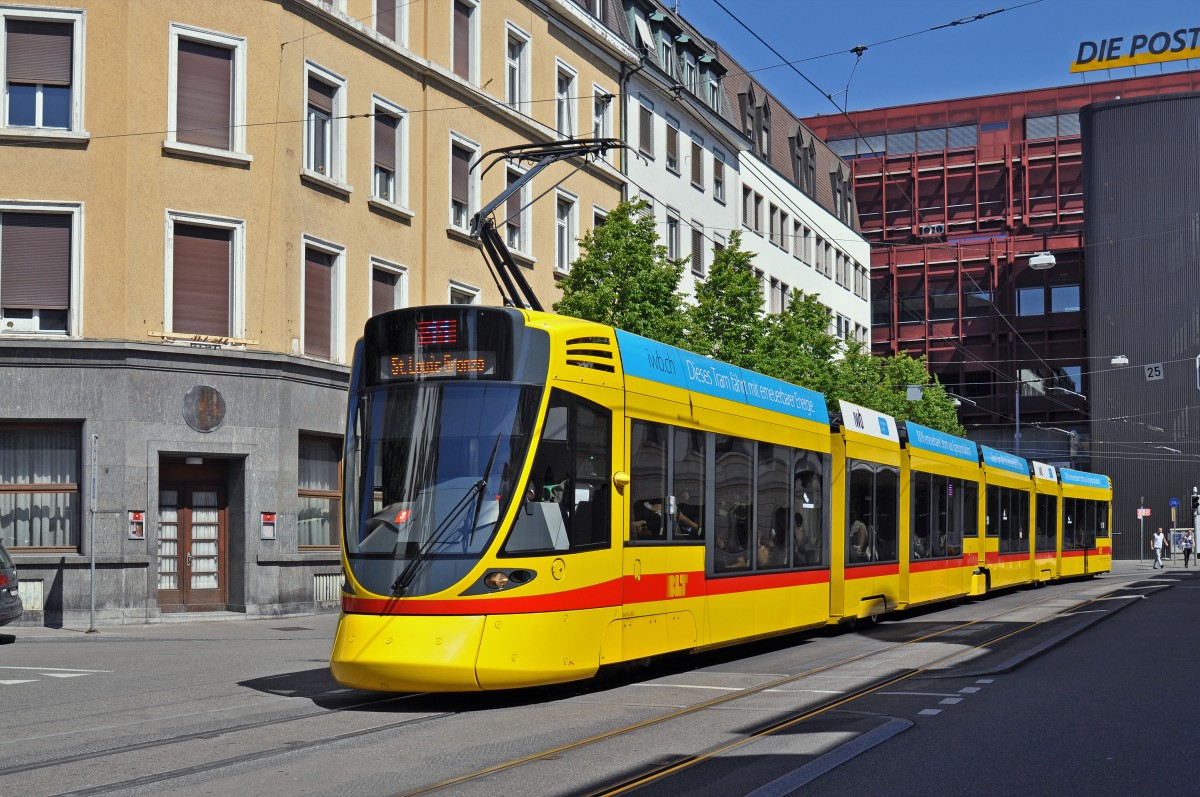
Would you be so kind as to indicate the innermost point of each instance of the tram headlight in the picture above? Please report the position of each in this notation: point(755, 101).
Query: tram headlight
point(496, 580)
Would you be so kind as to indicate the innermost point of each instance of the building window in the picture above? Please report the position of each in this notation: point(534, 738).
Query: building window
point(774, 232)
point(565, 227)
point(697, 249)
point(601, 113)
point(564, 101)
point(39, 280)
point(322, 278)
point(758, 214)
point(516, 70)
point(39, 485)
point(719, 176)
point(464, 37)
point(325, 124)
point(390, 154)
point(1064, 299)
point(673, 234)
point(690, 72)
point(943, 297)
point(208, 76)
point(389, 286)
point(698, 163)
point(1031, 301)
point(462, 182)
point(385, 17)
point(461, 293)
point(808, 246)
point(747, 208)
point(42, 68)
point(515, 235)
point(714, 92)
point(666, 52)
point(672, 145)
point(797, 240)
point(646, 130)
point(319, 515)
point(204, 278)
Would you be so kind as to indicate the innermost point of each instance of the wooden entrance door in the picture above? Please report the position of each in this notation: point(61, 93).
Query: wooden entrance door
point(192, 536)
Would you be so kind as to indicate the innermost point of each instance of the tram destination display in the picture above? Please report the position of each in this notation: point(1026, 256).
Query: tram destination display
point(444, 345)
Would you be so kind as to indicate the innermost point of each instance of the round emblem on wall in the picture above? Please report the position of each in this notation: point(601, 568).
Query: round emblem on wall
point(204, 408)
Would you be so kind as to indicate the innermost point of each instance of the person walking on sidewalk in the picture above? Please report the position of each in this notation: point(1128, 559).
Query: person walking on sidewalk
point(1156, 542)
point(1188, 542)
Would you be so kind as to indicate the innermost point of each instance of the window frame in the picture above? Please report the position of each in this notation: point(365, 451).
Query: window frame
point(75, 269)
point(337, 294)
point(673, 240)
point(566, 103)
point(334, 496)
point(399, 271)
point(237, 266)
point(718, 169)
point(336, 141)
point(520, 100)
point(237, 110)
point(78, 20)
point(646, 131)
point(462, 289)
point(400, 175)
point(473, 22)
point(456, 139)
point(523, 244)
point(566, 234)
point(36, 488)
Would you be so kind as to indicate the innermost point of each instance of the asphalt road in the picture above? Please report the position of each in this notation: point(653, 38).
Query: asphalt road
point(248, 707)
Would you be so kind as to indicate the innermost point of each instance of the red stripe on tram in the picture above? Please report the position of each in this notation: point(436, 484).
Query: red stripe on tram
point(872, 571)
point(607, 593)
point(925, 566)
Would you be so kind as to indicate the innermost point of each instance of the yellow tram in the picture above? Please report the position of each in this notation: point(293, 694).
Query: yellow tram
point(530, 497)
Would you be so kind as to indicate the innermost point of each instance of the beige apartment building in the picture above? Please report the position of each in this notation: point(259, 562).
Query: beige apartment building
point(200, 206)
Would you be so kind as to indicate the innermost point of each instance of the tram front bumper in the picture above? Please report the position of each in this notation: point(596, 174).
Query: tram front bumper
point(407, 653)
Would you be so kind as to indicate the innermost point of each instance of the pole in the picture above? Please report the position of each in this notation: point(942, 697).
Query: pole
point(92, 538)
point(1141, 529)
point(1017, 433)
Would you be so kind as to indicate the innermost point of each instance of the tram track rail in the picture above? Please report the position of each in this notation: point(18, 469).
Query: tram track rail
point(662, 770)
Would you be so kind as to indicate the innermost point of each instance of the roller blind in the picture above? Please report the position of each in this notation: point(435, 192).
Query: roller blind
point(204, 95)
point(460, 163)
point(38, 52)
point(200, 280)
point(320, 95)
point(35, 260)
point(318, 303)
point(462, 40)
point(385, 141)
point(383, 291)
point(385, 17)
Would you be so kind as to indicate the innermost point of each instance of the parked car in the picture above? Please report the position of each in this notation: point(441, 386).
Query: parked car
point(10, 599)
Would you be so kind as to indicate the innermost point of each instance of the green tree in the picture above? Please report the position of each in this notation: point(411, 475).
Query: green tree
point(624, 278)
point(797, 346)
point(726, 322)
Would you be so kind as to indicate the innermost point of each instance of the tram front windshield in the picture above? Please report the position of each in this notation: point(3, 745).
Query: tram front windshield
point(434, 467)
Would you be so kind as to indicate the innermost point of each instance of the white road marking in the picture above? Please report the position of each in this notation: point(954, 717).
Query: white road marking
point(10, 683)
point(917, 694)
point(64, 674)
point(985, 680)
point(929, 712)
point(55, 669)
point(969, 690)
point(951, 701)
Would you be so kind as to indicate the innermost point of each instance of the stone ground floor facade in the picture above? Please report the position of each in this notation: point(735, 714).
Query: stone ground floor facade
point(169, 479)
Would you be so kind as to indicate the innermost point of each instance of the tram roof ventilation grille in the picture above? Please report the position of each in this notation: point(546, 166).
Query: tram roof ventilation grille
point(591, 352)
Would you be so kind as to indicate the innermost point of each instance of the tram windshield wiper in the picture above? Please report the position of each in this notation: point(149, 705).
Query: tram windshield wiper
point(476, 490)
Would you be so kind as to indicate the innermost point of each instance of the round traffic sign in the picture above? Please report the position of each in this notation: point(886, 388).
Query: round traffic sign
point(1174, 502)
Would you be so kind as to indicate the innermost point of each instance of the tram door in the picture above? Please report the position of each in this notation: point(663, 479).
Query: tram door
point(192, 534)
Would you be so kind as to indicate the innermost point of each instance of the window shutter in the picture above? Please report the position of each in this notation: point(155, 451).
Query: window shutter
point(462, 40)
point(39, 52)
point(383, 291)
point(320, 95)
point(697, 164)
point(697, 250)
point(204, 95)
point(35, 260)
point(672, 144)
point(318, 303)
point(385, 17)
point(385, 140)
point(200, 280)
point(646, 130)
point(460, 164)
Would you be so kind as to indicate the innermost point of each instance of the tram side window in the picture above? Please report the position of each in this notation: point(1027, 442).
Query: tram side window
point(774, 520)
point(921, 509)
point(1088, 532)
point(648, 465)
point(566, 502)
point(872, 501)
point(734, 507)
point(1069, 524)
point(992, 511)
point(809, 515)
point(1102, 519)
point(937, 516)
point(1046, 520)
point(687, 484)
point(970, 519)
point(1012, 511)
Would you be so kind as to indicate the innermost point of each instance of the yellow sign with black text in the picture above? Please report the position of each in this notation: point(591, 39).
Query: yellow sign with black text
point(1141, 48)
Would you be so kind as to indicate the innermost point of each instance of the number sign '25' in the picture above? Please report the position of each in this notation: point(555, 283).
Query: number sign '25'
point(1153, 372)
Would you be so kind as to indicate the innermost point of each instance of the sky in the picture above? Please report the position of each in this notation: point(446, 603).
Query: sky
point(1030, 44)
